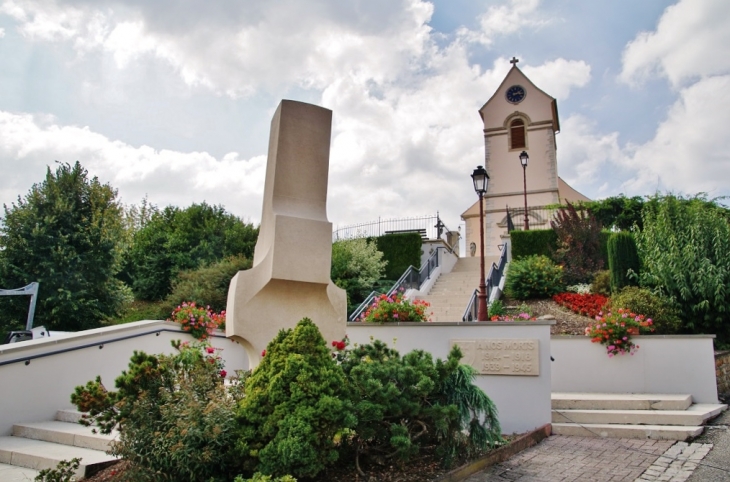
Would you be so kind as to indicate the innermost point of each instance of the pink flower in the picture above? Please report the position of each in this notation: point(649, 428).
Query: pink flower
point(210, 349)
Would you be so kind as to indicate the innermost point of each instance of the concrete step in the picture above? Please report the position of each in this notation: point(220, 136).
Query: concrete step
point(620, 401)
point(69, 415)
point(73, 434)
point(695, 415)
point(39, 455)
point(654, 432)
point(11, 473)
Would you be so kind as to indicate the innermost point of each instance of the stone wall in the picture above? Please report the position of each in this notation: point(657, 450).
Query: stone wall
point(722, 370)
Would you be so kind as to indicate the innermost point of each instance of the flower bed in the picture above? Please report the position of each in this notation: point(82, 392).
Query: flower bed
point(395, 308)
point(586, 304)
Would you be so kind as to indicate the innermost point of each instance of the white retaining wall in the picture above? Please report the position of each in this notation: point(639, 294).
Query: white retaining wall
point(663, 364)
point(523, 402)
point(33, 392)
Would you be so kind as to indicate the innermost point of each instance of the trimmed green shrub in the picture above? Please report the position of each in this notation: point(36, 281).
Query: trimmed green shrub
point(643, 302)
point(623, 260)
point(684, 250)
point(400, 251)
point(579, 246)
point(533, 277)
point(538, 242)
point(206, 286)
point(602, 283)
point(295, 404)
point(603, 243)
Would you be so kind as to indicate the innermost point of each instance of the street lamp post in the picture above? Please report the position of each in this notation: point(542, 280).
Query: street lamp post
point(524, 158)
point(481, 180)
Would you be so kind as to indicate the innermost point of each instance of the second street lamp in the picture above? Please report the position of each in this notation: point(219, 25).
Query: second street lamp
point(481, 181)
point(524, 158)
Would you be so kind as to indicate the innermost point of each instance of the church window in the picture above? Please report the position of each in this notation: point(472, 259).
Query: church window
point(517, 134)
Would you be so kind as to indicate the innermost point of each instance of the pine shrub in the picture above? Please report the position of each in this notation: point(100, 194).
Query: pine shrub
point(295, 404)
point(623, 261)
point(533, 277)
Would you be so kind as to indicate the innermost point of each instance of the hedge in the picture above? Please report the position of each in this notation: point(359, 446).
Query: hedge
point(401, 251)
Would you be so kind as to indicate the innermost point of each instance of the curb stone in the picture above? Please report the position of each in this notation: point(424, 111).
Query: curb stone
point(499, 455)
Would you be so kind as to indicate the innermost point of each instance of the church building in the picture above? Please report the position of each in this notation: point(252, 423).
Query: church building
point(518, 117)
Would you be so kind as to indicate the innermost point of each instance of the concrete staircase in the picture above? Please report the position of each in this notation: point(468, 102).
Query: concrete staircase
point(42, 445)
point(451, 291)
point(641, 416)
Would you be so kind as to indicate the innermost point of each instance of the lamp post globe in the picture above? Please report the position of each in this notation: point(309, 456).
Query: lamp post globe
point(524, 159)
point(481, 182)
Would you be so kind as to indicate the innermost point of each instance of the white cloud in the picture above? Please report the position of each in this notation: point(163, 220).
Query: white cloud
point(557, 77)
point(691, 149)
point(692, 40)
point(505, 20)
point(29, 144)
point(2, 32)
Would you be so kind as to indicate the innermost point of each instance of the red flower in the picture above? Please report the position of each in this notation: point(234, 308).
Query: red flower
point(223, 373)
point(263, 353)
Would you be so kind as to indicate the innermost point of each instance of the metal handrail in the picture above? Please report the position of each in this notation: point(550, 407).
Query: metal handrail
point(99, 344)
point(496, 271)
point(409, 279)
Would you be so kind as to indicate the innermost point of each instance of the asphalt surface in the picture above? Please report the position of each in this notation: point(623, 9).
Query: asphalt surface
point(715, 467)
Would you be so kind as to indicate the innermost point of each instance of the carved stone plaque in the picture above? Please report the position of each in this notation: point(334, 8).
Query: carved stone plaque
point(501, 356)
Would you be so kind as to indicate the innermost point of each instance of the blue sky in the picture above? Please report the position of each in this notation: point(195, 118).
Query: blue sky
point(174, 103)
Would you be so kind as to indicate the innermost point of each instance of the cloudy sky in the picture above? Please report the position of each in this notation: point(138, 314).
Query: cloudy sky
point(173, 100)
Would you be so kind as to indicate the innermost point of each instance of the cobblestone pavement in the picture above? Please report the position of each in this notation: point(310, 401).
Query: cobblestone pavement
point(716, 466)
point(677, 463)
point(563, 458)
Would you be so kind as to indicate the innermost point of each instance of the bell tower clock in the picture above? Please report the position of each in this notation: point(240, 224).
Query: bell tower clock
point(518, 117)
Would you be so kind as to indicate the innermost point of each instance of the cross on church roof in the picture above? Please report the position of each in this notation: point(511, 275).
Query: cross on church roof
point(514, 61)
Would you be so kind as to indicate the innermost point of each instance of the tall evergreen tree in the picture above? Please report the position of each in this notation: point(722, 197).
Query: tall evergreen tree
point(65, 234)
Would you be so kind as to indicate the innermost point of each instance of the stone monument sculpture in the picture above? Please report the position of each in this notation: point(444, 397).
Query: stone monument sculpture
point(290, 277)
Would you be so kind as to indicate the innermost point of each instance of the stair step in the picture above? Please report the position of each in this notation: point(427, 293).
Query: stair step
point(11, 473)
point(653, 432)
point(620, 401)
point(73, 434)
point(39, 455)
point(69, 415)
point(695, 415)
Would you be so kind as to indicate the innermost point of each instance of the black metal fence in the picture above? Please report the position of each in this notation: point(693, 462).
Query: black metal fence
point(496, 271)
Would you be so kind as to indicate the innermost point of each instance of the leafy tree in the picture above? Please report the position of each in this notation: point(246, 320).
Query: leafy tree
point(295, 404)
point(66, 235)
point(357, 265)
point(619, 211)
point(174, 239)
point(579, 244)
point(684, 250)
point(208, 285)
